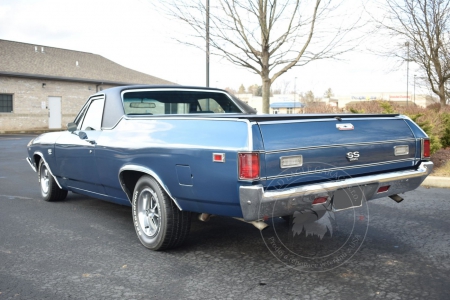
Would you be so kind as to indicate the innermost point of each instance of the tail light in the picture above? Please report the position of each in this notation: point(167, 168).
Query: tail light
point(426, 153)
point(249, 165)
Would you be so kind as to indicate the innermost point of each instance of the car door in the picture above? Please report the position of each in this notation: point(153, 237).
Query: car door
point(75, 151)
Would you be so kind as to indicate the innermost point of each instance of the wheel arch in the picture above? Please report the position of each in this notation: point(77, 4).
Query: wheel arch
point(129, 176)
point(37, 157)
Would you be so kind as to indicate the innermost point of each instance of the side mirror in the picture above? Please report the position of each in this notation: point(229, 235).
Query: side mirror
point(82, 135)
point(71, 127)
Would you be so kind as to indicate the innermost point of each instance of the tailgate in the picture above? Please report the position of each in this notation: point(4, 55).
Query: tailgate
point(303, 151)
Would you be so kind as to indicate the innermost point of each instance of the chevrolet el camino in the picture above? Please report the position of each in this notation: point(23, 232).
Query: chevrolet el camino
point(170, 151)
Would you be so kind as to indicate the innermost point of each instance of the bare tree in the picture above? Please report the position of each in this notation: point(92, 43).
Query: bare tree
point(328, 93)
point(423, 26)
point(268, 37)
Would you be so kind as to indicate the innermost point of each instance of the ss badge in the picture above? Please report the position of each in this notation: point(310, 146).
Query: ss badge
point(352, 156)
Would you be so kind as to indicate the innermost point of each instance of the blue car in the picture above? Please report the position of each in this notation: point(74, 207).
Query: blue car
point(171, 151)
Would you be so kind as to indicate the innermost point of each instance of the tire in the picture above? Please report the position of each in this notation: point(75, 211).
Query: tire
point(158, 222)
point(50, 190)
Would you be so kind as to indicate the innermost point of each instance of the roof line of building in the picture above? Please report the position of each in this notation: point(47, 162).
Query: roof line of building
point(40, 45)
point(39, 76)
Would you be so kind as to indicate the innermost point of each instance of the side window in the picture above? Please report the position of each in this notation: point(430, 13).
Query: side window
point(93, 118)
point(209, 106)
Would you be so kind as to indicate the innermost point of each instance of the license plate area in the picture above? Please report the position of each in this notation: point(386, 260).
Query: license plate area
point(350, 197)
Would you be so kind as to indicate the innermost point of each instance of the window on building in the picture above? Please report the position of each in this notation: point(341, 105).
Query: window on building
point(275, 110)
point(6, 103)
point(289, 110)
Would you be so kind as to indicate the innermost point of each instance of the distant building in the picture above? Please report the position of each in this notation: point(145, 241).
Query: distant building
point(279, 103)
point(45, 87)
point(398, 97)
point(286, 104)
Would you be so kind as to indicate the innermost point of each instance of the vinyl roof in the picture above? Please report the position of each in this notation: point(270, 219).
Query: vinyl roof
point(32, 60)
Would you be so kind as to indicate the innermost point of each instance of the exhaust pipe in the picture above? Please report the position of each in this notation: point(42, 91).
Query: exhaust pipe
point(258, 224)
point(204, 217)
point(396, 198)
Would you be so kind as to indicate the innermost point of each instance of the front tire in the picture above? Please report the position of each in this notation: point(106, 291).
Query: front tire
point(158, 222)
point(50, 190)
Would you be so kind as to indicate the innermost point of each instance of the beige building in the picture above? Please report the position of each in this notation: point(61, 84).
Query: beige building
point(44, 87)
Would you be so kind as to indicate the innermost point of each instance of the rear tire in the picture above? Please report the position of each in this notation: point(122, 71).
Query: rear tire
point(158, 222)
point(50, 190)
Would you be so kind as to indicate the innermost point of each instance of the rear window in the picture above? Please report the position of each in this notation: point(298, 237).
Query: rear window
point(177, 102)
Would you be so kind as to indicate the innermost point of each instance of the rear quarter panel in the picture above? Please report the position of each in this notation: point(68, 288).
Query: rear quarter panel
point(173, 148)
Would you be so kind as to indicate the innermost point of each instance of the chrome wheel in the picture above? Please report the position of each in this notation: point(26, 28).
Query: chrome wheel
point(158, 222)
point(44, 178)
point(149, 212)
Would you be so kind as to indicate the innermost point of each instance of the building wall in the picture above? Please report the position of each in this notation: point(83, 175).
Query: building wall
point(30, 101)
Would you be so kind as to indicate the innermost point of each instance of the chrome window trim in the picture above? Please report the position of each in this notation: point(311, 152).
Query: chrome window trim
point(86, 105)
point(181, 90)
point(340, 168)
point(340, 145)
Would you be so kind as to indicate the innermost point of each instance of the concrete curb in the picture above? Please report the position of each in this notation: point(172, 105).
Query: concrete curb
point(437, 181)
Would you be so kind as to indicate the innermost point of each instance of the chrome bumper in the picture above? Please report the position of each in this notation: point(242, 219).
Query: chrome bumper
point(258, 204)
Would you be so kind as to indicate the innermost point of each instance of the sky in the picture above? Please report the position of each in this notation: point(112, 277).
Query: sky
point(135, 35)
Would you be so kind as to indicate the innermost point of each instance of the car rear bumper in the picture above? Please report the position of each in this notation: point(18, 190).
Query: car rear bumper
point(257, 204)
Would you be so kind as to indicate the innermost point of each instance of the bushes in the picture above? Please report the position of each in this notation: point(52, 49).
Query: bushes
point(445, 138)
point(434, 120)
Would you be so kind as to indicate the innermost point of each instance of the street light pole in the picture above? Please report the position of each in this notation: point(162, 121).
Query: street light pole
point(414, 89)
point(407, 73)
point(207, 43)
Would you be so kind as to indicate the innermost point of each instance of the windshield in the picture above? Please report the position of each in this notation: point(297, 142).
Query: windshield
point(177, 102)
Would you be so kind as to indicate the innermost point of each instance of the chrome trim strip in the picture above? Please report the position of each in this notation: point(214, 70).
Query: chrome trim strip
point(31, 165)
point(181, 117)
point(256, 202)
point(91, 192)
point(148, 172)
point(324, 120)
point(48, 167)
point(340, 145)
point(340, 168)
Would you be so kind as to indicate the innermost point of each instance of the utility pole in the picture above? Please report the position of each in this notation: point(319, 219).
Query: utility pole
point(207, 43)
point(407, 72)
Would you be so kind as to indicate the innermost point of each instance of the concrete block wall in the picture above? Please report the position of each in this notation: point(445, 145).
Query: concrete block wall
point(30, 102)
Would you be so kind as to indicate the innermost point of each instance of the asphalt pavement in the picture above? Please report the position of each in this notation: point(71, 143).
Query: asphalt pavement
point(83, 248)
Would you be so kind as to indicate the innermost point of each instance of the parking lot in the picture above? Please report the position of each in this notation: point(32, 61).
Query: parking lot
point(83, 248)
